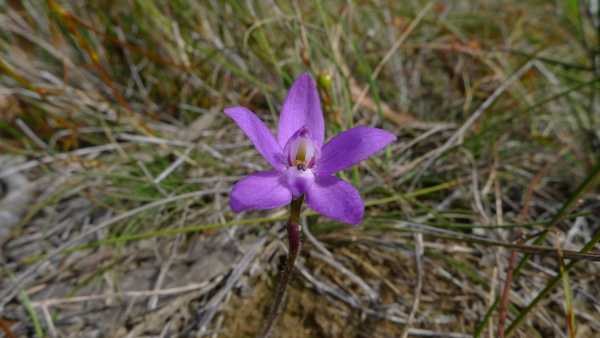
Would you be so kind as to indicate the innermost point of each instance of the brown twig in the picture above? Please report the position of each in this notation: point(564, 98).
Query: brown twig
point(532, 186)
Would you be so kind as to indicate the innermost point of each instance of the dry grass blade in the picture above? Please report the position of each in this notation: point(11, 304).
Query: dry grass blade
point(459, 135)
point(116, 160)
point(20, 282)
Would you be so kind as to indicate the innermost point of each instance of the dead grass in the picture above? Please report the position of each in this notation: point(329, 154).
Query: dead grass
point(119, 159)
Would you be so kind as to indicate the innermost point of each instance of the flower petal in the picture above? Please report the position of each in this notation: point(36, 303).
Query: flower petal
point(259, 134)
point(298, 181)
point(302, 107)
point(350, 147)
point(258, 191)
point(336, 199)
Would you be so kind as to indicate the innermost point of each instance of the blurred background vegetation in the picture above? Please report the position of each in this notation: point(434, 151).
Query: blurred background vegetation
point(116, 162)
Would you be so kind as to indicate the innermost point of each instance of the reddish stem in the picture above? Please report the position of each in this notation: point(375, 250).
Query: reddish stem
point(294, 246)
point(506, 294)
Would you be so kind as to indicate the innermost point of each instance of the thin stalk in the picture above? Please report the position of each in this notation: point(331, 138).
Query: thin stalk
point(506, 294)
point(571, 328)
point(550, 285)
point(560, 215)
point(294, 246)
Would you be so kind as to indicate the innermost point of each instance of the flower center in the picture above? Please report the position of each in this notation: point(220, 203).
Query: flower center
point(301, 151)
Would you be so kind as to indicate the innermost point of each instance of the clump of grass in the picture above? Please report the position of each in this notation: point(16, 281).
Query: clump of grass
point(115, 109)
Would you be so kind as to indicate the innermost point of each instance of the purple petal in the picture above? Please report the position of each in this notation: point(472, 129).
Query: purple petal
point(336, 199)
point(259, 134)
point(258, 191)
point(302, 108)
point(350, 147)
point(298, 181)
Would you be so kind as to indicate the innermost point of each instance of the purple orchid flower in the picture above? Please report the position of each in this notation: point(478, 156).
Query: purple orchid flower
point(302, 164)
